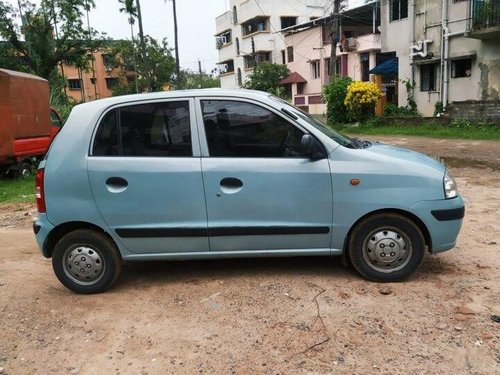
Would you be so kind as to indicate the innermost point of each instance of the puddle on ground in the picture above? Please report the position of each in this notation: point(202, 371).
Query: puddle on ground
point(470, 163)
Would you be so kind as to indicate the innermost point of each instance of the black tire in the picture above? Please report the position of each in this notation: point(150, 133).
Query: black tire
point(386, 247)
point(86, 261)
point(22, 170)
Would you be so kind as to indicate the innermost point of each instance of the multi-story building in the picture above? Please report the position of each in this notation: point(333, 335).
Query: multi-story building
point(248, 34)
point(93, 83)
point(308, 54)
point(449, 49)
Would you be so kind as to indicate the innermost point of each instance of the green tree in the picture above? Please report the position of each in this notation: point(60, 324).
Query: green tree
point(334, 95)
point(151, 76)
point(195, 80)
point(266, 77)
point(53, 32)
point(129, 8)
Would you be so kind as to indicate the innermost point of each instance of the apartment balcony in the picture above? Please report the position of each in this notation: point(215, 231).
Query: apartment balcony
point(223, 22)
point(483, 19)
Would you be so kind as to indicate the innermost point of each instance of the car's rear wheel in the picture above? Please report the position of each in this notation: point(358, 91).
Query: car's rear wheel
point(386, 247)
point(86, 261)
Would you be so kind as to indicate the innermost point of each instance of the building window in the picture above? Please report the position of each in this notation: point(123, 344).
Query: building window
point(107, 61)
point(223, 39)
point(237, 46)
point(74, 83)
point(364, 60)
point(257, 24)
point(283, 56)
point(300, 88)
point(261, 57)
point(428, 77)
point(111, 82)
point(461, 68)
point(93, 80)
point(239, 79)
point(288, 22)
point(235, 15)
point(315, 69)
point(226, 67)
point(398, 9)
point(289, 53)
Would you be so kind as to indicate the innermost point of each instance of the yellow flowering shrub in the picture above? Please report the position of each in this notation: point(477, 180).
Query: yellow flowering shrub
point(361, 97)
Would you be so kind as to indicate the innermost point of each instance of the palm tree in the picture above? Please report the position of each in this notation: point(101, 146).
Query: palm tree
point(129, 8)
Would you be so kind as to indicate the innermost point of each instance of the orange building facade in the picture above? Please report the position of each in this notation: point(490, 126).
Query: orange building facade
point(95, 83)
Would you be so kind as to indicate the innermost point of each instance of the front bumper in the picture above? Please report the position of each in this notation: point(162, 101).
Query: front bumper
point(443, 219)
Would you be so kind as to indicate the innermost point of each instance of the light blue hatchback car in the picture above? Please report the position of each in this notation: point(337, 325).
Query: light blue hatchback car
point(218, 174)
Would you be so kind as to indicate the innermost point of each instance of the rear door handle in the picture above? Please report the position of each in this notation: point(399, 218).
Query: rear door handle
point(231, 182)
point(116, 182)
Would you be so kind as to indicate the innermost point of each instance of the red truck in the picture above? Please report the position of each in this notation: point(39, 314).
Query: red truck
point(27, 122)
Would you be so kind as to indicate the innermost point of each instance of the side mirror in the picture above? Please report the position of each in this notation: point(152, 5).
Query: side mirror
point(310, 146)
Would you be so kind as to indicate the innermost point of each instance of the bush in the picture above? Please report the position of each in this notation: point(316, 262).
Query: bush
point(334, 95)
point(392, 110)
point(361, 98)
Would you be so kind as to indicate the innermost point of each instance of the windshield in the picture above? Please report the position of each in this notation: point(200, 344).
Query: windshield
point(339, 138)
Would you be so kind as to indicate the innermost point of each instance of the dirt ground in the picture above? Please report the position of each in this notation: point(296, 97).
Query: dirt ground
point(266, 316)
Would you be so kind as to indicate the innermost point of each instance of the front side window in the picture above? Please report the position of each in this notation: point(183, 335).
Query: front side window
point(240, 129)
point(153, 129)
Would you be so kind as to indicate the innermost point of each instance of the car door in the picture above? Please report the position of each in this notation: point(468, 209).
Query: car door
point(261, 193)
point(145, 174)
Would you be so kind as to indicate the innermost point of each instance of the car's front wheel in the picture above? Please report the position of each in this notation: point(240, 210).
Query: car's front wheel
point(86, 261)
point(386, 247)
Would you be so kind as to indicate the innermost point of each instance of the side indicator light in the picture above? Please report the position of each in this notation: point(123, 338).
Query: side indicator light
point(354, 182)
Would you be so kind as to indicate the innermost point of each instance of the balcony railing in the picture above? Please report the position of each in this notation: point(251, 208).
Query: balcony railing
point(484, 18)
point(486, 14)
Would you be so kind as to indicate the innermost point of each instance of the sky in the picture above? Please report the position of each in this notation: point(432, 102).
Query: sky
point(195, 20)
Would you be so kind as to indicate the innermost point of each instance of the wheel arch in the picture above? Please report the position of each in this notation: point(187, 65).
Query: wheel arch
point(60, 231)
point(418, 222)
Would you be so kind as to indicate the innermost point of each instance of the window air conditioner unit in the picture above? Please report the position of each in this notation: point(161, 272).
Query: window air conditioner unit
point(351, 44)
point(220, 41)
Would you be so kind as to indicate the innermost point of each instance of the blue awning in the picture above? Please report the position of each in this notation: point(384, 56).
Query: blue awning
point(389, 67)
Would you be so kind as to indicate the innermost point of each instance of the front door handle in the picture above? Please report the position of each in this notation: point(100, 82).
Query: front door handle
point(231, 182)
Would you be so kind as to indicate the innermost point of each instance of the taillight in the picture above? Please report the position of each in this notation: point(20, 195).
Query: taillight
point(39, 192)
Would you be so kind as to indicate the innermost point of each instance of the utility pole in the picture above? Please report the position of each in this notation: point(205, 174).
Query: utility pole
point(144, 58)
point(92, 52)
point(335, 37)
point(200, 73)
point(54, 17)
point(254, 56)
point(177, 67)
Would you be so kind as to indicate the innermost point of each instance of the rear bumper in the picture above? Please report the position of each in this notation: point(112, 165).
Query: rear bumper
point(443, 219)
point(42, 227)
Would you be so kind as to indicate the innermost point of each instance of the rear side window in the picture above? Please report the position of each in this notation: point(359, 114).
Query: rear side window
point(154, 129)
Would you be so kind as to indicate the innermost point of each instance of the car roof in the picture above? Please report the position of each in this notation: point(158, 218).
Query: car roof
point(210, 92)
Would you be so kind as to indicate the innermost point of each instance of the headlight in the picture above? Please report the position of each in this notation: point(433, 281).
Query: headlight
point(450, 186)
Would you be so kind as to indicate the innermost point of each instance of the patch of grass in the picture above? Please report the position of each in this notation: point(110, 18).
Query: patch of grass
point(458, 129)
point(433, 131)
point(21, 190)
